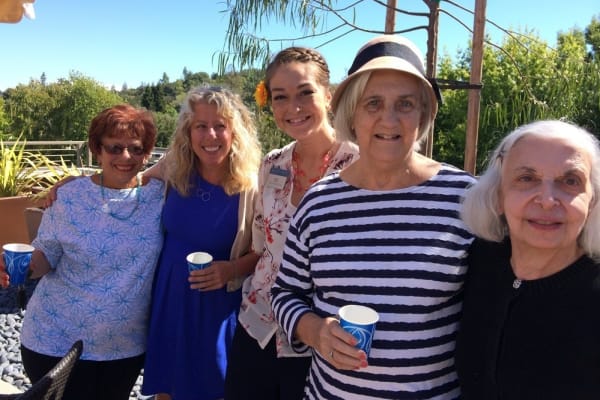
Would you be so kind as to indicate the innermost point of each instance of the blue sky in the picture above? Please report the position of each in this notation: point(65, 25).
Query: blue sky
point(135, 41)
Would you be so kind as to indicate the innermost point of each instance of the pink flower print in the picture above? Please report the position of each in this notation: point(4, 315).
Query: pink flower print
point(268, 233)
point(252, 297)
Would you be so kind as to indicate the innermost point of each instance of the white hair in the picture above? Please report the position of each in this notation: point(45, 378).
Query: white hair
point(480, 209)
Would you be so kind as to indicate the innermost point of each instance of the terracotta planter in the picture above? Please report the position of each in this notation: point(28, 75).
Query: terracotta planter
point(12, 219)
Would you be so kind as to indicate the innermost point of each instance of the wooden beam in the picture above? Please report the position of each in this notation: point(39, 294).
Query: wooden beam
point(475, 94)
point(390, 17)
point(431, 64)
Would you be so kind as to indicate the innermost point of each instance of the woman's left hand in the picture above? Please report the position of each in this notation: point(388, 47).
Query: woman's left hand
point(212, 277)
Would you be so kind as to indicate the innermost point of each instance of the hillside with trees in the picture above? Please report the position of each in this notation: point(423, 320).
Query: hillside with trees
point(523, 80)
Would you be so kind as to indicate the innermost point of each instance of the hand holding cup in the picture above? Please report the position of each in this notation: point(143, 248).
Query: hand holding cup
point(360, 322)
point(198, 260)
point(4, 279)
point(17, 257)
point(205, 274)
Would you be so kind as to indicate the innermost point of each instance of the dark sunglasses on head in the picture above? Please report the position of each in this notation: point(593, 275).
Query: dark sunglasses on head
point(116, 149)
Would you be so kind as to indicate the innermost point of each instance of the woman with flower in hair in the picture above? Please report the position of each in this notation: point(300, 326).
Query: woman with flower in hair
point(263, 364)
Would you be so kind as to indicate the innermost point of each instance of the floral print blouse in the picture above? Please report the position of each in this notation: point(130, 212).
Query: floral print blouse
point(272, 216)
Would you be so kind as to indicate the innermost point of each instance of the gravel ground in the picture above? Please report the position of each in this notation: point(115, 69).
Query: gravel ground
point(11, 316)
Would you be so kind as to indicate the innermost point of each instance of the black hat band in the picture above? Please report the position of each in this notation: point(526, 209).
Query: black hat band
point(392, 49)
point(386, 49)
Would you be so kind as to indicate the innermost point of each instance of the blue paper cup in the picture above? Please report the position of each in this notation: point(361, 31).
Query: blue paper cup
point(198, 260)
point(17, 257)
point(360, 322)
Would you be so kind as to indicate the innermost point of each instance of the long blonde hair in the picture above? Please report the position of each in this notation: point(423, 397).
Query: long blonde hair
point(244, 156)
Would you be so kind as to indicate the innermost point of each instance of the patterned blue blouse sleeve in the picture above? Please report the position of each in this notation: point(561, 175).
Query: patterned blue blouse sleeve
point(47, 240)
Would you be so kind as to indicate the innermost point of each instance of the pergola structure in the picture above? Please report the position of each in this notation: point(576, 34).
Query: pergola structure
point(12, 11)
point(474, 85)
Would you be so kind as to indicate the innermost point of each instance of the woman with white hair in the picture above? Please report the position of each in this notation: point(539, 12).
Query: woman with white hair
point(530, 327)
point(384, 233)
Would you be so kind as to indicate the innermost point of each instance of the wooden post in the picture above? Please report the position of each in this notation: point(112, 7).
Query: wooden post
point(390, 17)
point(475, 94)
point(432, 39)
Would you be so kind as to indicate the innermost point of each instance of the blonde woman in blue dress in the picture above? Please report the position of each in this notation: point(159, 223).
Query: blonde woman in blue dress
point(210, 169)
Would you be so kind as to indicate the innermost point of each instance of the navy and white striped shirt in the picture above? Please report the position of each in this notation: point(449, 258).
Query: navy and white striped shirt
point(401, 252)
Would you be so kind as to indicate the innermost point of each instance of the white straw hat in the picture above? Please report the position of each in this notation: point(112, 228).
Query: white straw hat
point(390, 52)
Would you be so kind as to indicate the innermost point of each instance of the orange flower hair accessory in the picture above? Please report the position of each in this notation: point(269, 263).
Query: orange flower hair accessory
point(260, 94)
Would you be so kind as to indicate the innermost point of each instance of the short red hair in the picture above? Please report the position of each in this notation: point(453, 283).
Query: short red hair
point(122, 120)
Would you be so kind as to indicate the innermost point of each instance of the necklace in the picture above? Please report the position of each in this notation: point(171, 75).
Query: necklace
point(105, 206)
point(203, 194)
point(299, 173)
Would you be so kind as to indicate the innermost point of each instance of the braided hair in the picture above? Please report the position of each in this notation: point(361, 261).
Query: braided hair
point(300, 55)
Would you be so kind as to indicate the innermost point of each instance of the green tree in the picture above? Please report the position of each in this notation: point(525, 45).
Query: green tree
point(166, 122)
point(523, 80)
point(4, 122)
point(57, 111)
point(27, 108)
point(191, 80)
point(78, 100)
point(450, 126)
point(154, 97)
point(592, 36)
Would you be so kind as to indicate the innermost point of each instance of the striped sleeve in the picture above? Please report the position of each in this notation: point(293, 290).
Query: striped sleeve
point(401, 252)
point(292, 291)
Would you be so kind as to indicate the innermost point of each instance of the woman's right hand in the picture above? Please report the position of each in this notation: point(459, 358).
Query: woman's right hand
point(331, 341)
point(38, 267)
point(52, 196)
point(4, 279)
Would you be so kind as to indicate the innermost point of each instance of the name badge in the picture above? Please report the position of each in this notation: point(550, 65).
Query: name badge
point(277, 178)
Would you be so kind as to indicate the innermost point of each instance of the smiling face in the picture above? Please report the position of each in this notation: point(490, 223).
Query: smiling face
point(545, 193)
point(387, 117)
point(120, 170)
point(211, 137)
point(298, 100)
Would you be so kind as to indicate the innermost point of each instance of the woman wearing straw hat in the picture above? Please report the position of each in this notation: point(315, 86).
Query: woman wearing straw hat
point(384, 233)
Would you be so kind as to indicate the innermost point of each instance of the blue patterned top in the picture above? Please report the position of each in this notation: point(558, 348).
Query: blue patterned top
point(102, 268)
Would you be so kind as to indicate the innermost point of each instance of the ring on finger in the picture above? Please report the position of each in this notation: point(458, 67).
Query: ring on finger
point(331, 354)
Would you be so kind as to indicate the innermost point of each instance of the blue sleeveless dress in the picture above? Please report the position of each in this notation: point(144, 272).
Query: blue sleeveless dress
point(191, 331)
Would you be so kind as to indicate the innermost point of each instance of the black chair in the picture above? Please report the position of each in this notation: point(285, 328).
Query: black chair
point(52, 385)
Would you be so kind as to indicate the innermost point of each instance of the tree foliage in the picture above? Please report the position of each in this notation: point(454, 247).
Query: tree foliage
point(57, 111)
point(592, 36)
point(523, 80)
